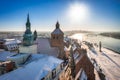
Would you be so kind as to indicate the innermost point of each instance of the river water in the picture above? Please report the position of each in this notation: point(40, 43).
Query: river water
point(108, 42)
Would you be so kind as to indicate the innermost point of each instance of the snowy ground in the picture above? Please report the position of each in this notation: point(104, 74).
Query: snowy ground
point(109, 61)
point(43, 46)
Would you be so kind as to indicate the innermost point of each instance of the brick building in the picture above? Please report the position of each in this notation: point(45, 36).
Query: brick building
point(83, 69)
point(57, 40)
point(85, 64)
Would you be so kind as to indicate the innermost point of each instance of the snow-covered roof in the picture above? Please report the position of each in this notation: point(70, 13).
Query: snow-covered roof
point(12, 41)
point(34, 57)
point(68, 48)
point(57, 31)
point(81, 75)
point(35, 70)
point(66, 39)
point(5, 54)
point(19, 58)
point(74, 47)
point(18, 41)
point(9, 39)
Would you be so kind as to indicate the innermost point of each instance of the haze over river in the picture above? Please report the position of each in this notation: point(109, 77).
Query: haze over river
point(108, 42)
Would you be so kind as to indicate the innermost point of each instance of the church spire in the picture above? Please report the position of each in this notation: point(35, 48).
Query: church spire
point(28, 21)
point(28, 37)
point(57, 25)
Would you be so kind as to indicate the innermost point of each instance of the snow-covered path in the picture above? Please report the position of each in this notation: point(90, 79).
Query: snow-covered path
point(109, 62)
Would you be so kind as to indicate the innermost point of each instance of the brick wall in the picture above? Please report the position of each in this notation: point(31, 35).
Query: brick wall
point(87, 66)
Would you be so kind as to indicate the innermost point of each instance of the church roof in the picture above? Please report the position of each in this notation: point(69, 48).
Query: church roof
point(28, 20)
point(28, 31)
point(57, 30)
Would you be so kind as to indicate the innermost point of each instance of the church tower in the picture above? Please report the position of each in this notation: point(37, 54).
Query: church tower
point(28, 25)
point(57, 36)
point(57, 39)
point(28, 37)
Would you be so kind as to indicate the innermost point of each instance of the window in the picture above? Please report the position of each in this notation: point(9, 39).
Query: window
point(53, 37)
point(57, 37)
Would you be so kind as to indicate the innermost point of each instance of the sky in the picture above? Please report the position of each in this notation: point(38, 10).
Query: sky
point(91, 15)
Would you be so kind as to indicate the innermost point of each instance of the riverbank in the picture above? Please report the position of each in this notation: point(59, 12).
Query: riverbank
point(115, 35)
point(109, 61)
point(107, 42)
point(112, 50)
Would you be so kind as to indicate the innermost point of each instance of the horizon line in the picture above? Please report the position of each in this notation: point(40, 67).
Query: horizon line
point(62, 30)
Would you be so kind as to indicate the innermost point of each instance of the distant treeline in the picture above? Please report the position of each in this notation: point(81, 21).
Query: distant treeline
point(69, 33)
point(111, 34)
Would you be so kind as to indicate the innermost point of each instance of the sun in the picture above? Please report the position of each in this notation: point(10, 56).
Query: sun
point(78, 12)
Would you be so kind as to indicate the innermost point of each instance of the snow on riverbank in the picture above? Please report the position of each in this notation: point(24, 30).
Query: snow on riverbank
point(109, 61)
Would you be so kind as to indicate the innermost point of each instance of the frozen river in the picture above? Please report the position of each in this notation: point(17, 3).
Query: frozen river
point(108, 42)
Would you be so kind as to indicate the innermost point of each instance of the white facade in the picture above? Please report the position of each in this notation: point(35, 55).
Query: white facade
point(11, 44)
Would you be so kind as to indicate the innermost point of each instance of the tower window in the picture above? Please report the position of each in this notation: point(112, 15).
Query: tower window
point(57, 37)
point(53, 37)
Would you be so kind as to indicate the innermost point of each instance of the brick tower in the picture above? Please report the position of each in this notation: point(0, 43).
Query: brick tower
point(57, 37)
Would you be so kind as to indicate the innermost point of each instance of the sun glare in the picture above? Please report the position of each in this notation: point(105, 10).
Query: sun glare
point(78, 12)
point(78, 37)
